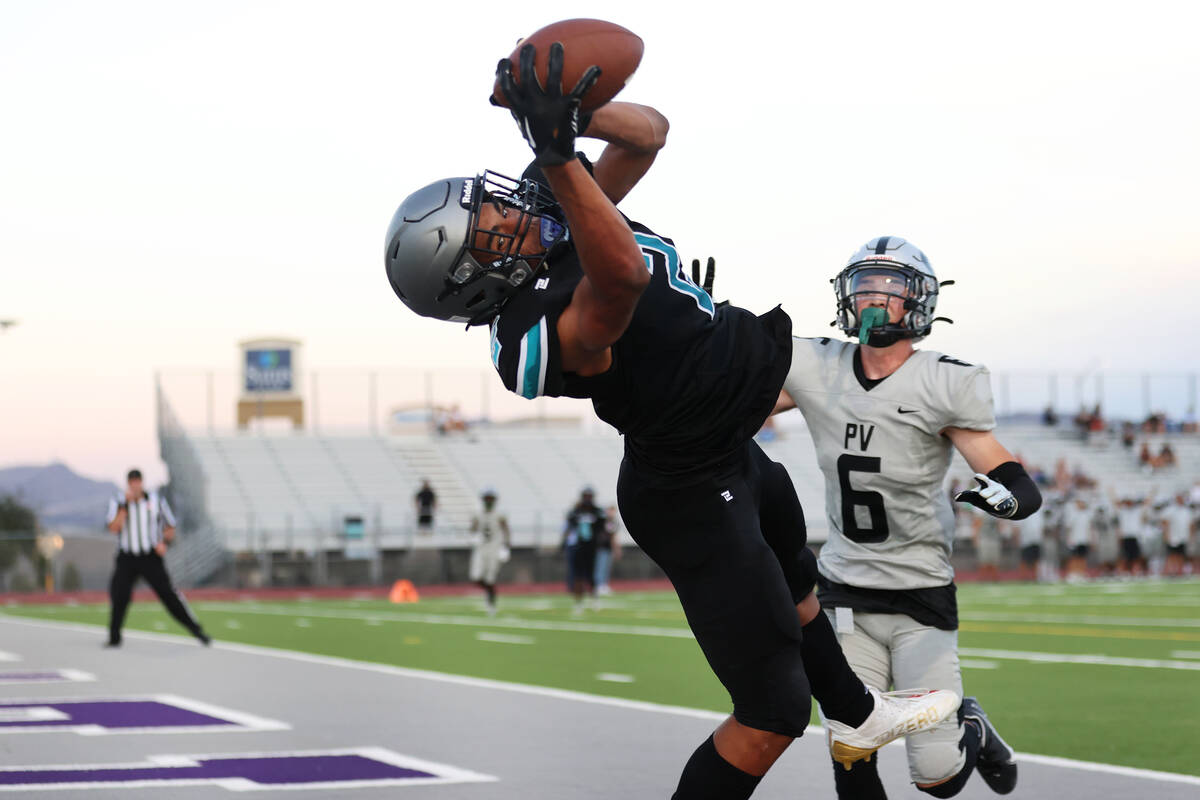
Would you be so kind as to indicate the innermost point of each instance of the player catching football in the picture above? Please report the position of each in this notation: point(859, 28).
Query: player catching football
point(585, 303)
point(884, 418)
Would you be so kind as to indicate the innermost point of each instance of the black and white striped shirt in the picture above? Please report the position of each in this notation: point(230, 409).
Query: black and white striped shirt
point(144, 525)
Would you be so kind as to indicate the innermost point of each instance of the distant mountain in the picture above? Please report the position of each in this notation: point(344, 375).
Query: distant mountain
point(63, 499)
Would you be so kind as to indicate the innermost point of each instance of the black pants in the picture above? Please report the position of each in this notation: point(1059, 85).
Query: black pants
point(151, 567)
point(733, 548)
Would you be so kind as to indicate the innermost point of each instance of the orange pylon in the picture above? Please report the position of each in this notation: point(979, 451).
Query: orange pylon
point(403, 591)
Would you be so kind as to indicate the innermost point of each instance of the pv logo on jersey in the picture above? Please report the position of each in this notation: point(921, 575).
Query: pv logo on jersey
point(860, 433)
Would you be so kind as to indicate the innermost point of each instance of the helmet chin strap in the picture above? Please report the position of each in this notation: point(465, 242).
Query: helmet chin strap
point(868, 319)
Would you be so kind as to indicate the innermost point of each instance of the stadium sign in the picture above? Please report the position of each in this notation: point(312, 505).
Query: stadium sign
point(269, 370)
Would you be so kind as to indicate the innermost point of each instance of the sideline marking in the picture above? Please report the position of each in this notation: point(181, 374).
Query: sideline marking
point(1185, 654)
point(9, 656)
point(971, 663)
point(342, 768)
point(543, 691)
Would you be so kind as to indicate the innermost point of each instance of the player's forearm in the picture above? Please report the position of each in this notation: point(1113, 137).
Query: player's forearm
point(633, 127)
point(608, 253)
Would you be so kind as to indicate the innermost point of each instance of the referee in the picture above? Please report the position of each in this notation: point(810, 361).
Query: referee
point(144, 526)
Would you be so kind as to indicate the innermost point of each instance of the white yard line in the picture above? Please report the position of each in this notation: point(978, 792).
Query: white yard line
point(1083, 619)
point(1079, 658)
point(561, 694)
point(504, 638)
point(452, 619)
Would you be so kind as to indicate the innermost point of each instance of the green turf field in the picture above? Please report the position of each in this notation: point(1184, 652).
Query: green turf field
point(1106, 672)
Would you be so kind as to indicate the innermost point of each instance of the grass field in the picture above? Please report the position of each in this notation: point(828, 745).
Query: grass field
point(1106, 672)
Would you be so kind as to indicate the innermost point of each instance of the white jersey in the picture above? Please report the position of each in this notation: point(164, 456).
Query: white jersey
point(1031, 528)
point(1129, 521)
point(881, 449)
point(1179, 524)
point(489, 526)
point(1078, 524)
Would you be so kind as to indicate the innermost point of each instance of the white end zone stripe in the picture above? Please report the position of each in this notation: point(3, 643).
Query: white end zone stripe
point(235, 721)
point(443, 773)
point(561, 694)
point(9, 656)
point(75, 675)
point(250, 722)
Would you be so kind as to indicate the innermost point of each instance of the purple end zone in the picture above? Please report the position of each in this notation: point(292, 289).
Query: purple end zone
point(264, 770)
point(112, 715)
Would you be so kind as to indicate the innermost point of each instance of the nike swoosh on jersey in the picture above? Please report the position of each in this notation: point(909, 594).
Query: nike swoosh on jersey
point(908, 410)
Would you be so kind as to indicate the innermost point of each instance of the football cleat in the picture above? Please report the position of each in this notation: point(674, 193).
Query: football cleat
point(996, 762)
point(896, 714)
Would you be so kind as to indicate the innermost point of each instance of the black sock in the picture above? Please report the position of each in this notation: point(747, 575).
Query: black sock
point(842, 695)
point(860, 782)
point(969, 744)
point(707, 776)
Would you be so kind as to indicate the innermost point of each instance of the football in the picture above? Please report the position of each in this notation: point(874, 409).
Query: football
point(585, 42)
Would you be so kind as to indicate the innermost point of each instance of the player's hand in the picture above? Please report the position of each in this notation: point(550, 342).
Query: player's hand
point(548, 119)
point(161, 548)
point(710, 272)
point(991, 496)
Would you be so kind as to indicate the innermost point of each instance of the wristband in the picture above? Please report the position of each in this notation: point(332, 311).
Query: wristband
point(1013, 477)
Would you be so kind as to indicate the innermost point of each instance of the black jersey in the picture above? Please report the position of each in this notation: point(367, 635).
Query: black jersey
point(689, 384)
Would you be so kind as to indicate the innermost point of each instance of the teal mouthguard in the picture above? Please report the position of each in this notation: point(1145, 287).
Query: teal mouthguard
point(870, 318)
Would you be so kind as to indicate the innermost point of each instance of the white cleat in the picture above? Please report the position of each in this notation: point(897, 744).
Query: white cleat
point(896, 714)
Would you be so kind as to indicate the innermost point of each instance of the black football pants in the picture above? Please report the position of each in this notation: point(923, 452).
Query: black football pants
point(732, 547)
point(151, 567)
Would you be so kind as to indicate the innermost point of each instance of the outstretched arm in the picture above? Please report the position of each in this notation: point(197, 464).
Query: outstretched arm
point(614, 272)
point(1005, 489)
point(635, 133)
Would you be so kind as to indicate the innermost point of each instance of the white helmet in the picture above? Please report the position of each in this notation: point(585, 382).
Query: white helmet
point(906, 274)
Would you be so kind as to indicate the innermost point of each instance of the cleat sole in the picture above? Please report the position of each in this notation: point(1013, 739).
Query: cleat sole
point(847, 754)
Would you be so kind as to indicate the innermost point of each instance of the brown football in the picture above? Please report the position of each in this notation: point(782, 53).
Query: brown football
point(585, 42)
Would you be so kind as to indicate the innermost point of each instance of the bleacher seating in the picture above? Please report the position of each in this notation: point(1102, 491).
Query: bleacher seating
point(292, 490)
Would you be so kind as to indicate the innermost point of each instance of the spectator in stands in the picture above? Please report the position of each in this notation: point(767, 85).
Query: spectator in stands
point(1128, 436)
point(1166, 456)
point(145, 526)
point(607, 549)
point(585, 521)
point(425, 501)
point(1062, 476)
point(1155, 423)
point(1050, 416)
point(490, 549)
point(1188, 424)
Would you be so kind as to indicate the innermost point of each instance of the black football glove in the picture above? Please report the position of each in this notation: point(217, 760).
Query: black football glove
point(548, 119)
point(991, 496)
point(710, 272)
